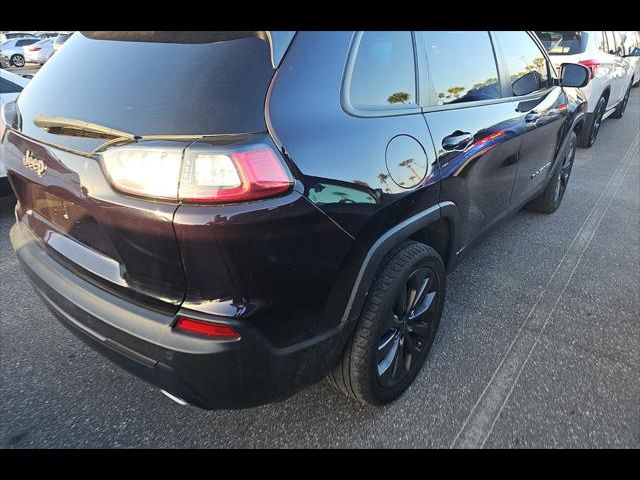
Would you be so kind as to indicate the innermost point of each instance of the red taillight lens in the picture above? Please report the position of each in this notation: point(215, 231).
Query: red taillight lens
point(35, 49)
point(592, 65)
point(207, 329)
point(236, 177)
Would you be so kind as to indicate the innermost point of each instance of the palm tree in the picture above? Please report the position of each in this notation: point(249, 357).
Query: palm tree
point(383, 177)
point(409, 164)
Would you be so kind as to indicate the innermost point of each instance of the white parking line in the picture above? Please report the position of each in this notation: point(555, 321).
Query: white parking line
point(483, 416)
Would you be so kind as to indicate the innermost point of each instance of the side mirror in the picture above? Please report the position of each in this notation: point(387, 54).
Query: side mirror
point(574, 75)
point(527, 84)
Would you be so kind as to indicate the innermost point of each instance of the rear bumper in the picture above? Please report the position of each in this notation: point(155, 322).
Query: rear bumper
point(206, 373)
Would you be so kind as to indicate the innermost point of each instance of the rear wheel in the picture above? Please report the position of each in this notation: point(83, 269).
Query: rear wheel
point(589, 132)
point(397, 327)
point(17, 60)
point(551, 198)
point(622, 106)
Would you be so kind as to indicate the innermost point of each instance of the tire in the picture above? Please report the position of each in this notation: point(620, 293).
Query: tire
point(622, 106)
point(589, 132)
point(370, 370)
point(17, 60)
point(551, 197)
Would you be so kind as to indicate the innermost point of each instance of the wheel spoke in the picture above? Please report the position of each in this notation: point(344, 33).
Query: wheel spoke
point(410, 350)
point(426, 305)
point(422, 329)
point(385, 364)
point(422, 290)
point(386, 343)
point(398, 361)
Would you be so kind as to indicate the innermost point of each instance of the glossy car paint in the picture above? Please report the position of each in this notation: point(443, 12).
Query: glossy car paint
point(290, 273)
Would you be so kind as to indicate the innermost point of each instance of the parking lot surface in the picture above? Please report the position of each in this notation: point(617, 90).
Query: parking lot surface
point(28, 69)
point(539, 346)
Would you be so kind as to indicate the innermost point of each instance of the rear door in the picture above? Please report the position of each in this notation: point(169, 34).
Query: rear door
point(539, 104)
point(476, 130)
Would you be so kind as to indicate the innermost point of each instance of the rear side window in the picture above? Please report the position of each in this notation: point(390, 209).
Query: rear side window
point(9, 87)
point(24, 43)
point(462, 65)
point(383, 74)
point(527, 66)
point(563, 42)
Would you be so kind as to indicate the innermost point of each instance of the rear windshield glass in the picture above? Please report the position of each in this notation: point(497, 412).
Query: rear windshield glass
point(148, 83)
point(563, 43)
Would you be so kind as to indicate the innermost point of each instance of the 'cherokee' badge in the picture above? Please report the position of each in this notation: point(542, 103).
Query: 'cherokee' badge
point(34, 163)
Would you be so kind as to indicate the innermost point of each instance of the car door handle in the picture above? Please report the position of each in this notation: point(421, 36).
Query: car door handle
point(532, 117)
point(457, 141)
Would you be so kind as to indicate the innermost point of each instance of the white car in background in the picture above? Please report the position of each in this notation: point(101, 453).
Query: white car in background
point(611, 74)
point(39, 52)
point(12, 51)
point(10, 87)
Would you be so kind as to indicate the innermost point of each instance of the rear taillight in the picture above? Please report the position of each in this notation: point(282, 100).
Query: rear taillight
point(206, 329)
point(199, 174)
point(236, 177)
point(592, 65)
point(35, 49)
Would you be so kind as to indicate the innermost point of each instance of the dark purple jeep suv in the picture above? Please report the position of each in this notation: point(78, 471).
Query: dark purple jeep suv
point(233, 216)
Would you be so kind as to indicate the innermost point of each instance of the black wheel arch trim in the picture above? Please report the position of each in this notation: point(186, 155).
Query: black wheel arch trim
point(391, 239)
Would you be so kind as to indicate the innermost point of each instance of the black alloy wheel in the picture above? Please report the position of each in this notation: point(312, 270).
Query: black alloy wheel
point(409, 327)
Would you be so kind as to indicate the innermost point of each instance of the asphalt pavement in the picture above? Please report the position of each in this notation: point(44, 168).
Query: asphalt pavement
point(539, 346)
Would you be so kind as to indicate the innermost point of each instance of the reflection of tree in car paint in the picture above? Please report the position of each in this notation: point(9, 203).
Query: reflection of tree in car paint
point(537, 64)
point(477, 92)
point(408, 164)
point(399, 97)
point(384, 178)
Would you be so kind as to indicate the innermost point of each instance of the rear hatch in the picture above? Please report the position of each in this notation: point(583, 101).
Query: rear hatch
point(564, 46)
point(174, 86)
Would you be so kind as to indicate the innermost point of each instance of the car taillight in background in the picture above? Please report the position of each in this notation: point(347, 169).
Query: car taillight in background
point(592, 65)
point(199, 174)
point(35, 49)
